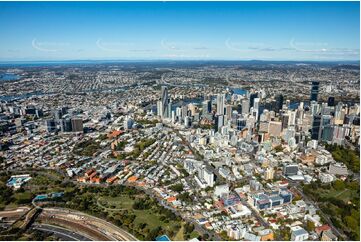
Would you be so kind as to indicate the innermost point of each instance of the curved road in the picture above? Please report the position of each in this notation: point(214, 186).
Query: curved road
point(61, 232)
point(99, 226)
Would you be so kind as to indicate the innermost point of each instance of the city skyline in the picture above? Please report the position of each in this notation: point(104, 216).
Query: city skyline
point(300, 31)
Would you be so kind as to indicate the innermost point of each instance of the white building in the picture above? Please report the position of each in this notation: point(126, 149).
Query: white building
point(298, 234)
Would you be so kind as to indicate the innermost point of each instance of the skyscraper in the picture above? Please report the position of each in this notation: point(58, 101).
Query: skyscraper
point(219, 122)
point(50, 125)
point(251, 98)
point(245, 106)
point(314, 91)
point(316, 123)
point(206, 106)
point(220, 104)
point(164, 100)
point(279, 102)
point(77, 124)
point(331, 101)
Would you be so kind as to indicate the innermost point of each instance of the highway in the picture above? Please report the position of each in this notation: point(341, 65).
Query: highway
point(14, 213)
point(96, 228)
point(62, 233)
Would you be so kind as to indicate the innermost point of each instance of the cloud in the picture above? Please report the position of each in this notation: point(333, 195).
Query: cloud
point(38, 46)
point(116, 46)
point(142, 50)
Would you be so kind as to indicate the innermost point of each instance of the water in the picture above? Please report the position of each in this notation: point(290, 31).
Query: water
point(9, 77)
point(239, 91)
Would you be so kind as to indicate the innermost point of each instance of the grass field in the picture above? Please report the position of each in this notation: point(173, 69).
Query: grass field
point(345, 194)
point(148, 216)
point(112, 203)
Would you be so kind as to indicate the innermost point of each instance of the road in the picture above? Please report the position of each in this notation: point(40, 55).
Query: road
point(16, 213)
point(62, 233)
point(100, 228)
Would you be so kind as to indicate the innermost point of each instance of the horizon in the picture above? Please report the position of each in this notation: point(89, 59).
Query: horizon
point(179, 31)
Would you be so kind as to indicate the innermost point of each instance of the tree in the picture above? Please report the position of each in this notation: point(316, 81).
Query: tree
point(177, 187)
point(339, 185)
point(310, 226)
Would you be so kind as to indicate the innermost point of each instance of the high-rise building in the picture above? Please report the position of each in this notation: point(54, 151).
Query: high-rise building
point(245, 106)
point(219, 122)
point(279, 103)
point(269, 173)
point(314, 91)
point(208, 177)
point(77, 124)
point(206, 106)
point(58, 114)
point(290, 170)
point(252, 96)
point(66, 125)
point(331, 101)
point(228, 112)
point(256, 104)
point(274, 128)
point(316, 123)
point(160, 108)
point(220, 103)
point(50, 125)
point(128, 123)
point(241, 123)
point(165, 102)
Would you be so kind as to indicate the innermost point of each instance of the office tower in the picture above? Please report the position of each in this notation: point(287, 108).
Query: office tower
point(169, 109)
point(187, 121)
point(77, 124)
point(314, 108)
point(192, 109)
point(327, 133)
point(274, 128)
point(324, 124)
point(30, 110)
point(39, 113)
point(245, 106)
point(66, 125)
point(184, 111)
point(219, 122)
point(128, 123)
point(206, 106)
point(263, 127)
point(220, 104)
point(160, 108)
point(314, 91)
point(208, 177)
point(331, 101)
point(178, 113)
point(50, 125)
point(58, 114)
point(241, 123)
point(229, 112)
point(165, 101)
point(279, 103)
point(292, 118)
point(290, 170)
point(173, 116)
point(251, 99)
point(256, 104)
point(316, 123)
point(285, 119)
point(339, 134)
point(269, 173)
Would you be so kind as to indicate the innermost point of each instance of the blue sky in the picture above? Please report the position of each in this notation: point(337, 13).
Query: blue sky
point(180, 30)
